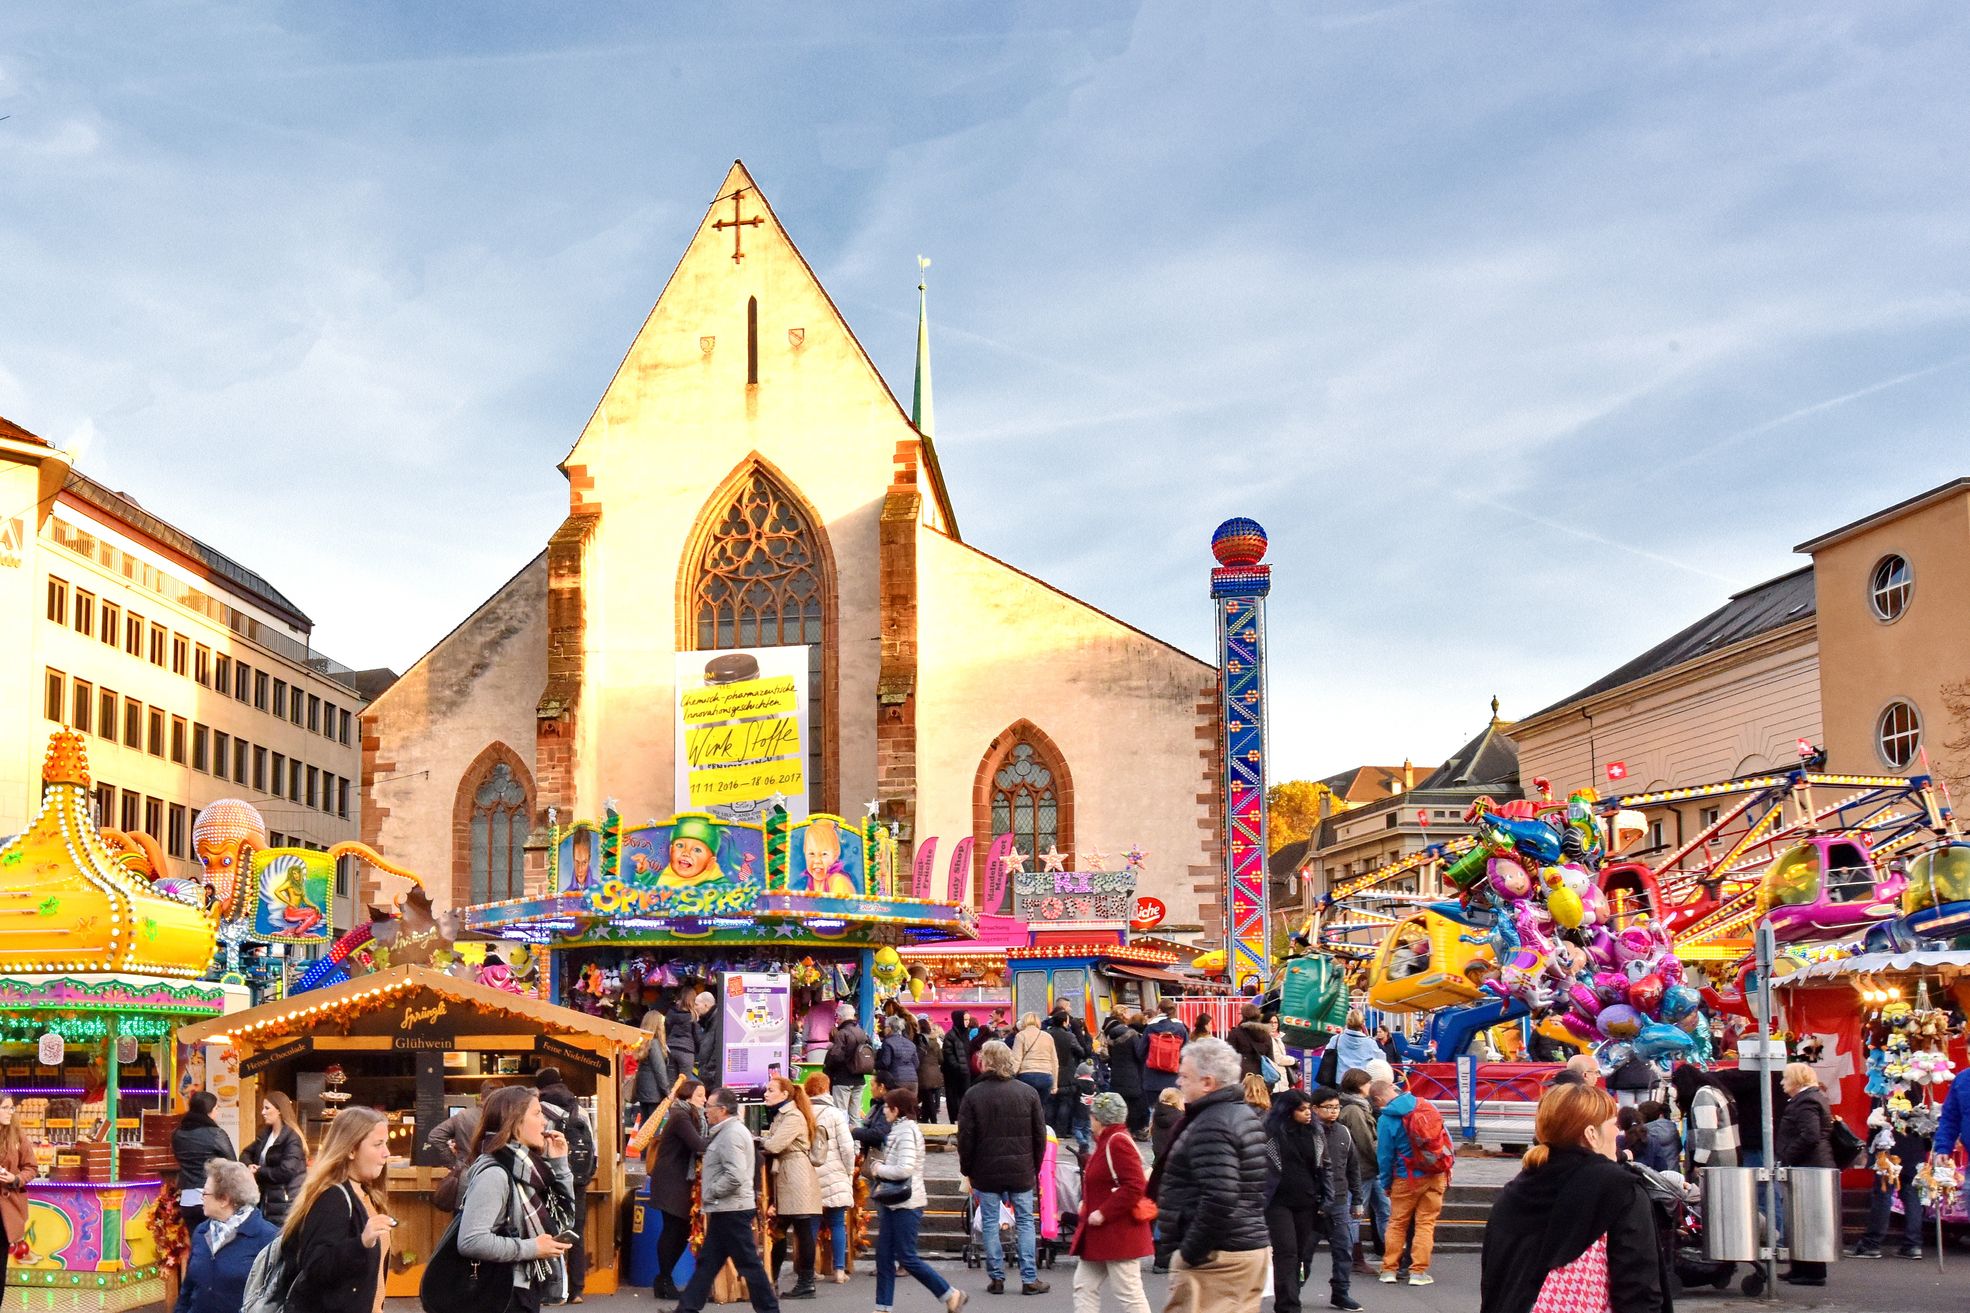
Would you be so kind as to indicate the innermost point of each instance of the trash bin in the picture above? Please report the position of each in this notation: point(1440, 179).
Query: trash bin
point(1812, 1214)
point(1730, 1214)
point(645, 1222)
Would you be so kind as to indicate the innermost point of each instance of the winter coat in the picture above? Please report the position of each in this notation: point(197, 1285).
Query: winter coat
point(1353, 1050)
point(1124, 1059)
point(1300, 1180)
point(839, 1062)
point(680, 1044)
point(1341, 1165)
point(1660, 1146)
point(902, 1160)
point(1114, 1181)
point(653, 1074)
point(216, 1283)
point(1358, 1115)
point(930, 1062)
point(1547, 1218)
point(957, 1053)
point(1212, 1185)
point(193, 1147)
point(1155, 1082)
point(1252, 1041)
point(729, 1170)
point(1392, 1147)
point(1002, 1135)
point(674, 1159)
point(1953, 1123)
point(837, 1142)
point(1068, 1051)
point(334, 1271)
point(896, 1061)
point(796, 1185)
point(283, 1166)
point(1034, 1051)
point(711, 1049)
point(1803, 1134)
point(13, 1198)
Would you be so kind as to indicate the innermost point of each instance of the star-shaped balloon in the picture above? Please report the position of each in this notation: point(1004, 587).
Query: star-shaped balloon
point(872, 806)
point(1053, 859)
point(1016, 861)
point(1094, 861)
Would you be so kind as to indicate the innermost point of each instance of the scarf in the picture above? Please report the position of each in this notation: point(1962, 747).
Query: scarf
point(527, 1211)
point(220, 1234)
point(1545, 1219)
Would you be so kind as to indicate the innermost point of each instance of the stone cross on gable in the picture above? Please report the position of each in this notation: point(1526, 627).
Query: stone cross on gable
point(737, 225)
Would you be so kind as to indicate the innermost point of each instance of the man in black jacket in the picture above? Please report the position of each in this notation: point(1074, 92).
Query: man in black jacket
point(563, 1110)
point(1125, 1070)
point(1251, 1039)
point(1069, 1053)
point(845, 1053)
point(1002, 1139)
point(1211, 1188)
point(1155, 1081)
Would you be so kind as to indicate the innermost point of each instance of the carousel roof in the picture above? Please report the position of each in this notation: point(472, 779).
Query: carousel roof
point(1947, 960)
point(69, 904)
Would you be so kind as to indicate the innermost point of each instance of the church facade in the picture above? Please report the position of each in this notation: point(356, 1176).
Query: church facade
point(748, 481)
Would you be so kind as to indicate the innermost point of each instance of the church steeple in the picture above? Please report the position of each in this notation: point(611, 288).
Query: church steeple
point(921, 412)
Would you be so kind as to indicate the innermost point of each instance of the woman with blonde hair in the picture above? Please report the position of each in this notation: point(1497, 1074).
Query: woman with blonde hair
point(1036, 1058)
point(796, 1186)
point(336, 1240)
point(1258, 1093)
point(834, 1143)
point(653, 1074)
point(279, 1157)
point(1804, 1137)
point(1573, 1230)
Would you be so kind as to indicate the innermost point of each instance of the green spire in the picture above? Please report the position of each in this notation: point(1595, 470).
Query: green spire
point(921, 413)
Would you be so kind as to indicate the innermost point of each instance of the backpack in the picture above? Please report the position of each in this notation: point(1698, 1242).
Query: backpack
point(1165, 1051)
point(267, 1282)
point(818, 1150)
point(863, 1061)
point(1430, 1150)
point(581, 1144)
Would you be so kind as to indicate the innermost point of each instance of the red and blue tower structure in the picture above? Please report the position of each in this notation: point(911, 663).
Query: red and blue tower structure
point(1238, 591)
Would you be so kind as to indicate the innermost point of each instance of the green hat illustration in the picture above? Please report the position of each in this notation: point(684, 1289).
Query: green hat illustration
point(695, 827)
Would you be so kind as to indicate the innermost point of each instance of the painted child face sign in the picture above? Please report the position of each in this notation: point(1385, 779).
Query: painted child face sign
point(822, 845)
point(689, 858)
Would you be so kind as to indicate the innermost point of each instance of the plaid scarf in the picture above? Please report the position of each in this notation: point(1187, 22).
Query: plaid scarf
point(527, 1212)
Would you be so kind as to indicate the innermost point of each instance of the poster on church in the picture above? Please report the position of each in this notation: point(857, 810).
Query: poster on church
point(742, 732)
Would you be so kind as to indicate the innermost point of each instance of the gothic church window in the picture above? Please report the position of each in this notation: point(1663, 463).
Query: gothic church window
point(498, 836)
point(1024, 789)
point(761, 581)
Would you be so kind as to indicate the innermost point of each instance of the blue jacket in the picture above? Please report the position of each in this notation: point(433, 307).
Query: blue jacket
point(1392, 1139)
point(1953, 1125)
point(216, 1283)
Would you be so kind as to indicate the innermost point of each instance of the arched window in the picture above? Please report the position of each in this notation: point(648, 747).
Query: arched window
point(1024, 789)
point(761, 577)
point(491, 818)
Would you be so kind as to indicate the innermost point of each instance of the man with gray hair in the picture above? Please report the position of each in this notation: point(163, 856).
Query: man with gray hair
point(1210, 1188)
point(1002, 1140)
point(725, 1193)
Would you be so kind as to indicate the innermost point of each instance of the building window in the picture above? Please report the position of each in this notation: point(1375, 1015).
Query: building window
point(130, 811)
point(180, 653)
point(280, 697)
point(1657, 837)
point(58, 600)
point(106, 714)
point(1026, 787)
point(342, 728)
point(83, 705)
point(260, 690)
point(133, 729)
point(159, 640)
point(201, 746)
point(1888, 588)
point(133, 633)
point(156, 736)
point(241, 750)
point(762, 581)
point(342, 797)
point(174, 831)
point(294, 707)
point(222, 673)
point(104, 807)
point(242, 681)
point(55, 702)
point(293, 780)
point(314, 785)
point(280, 773)
point(222, 752)
point(1899, 733)
point(111, 629)
point(328, 720)
point(85, 612)
point(499, 836)
point(259, 770)
point(202, 665)
point(314, 713)
point(178, 739)
point(154, 818)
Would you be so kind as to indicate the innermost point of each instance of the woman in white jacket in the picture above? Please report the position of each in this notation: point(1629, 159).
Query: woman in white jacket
point(896, 1241)
point(835, 1151)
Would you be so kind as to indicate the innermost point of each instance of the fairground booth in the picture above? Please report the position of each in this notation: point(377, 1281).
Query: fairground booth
point(98, 965)
point(786, 919)
point(418, 1044)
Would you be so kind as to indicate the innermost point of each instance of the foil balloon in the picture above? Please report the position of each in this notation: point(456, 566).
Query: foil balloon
point(1613, 985)
point(1646, 993)
point(1661, 1042)
point(1678, 1001)
point(917, 987)
point(1620, 1022)
point(1586, 1002)
point(1566, 907)
point(1615, 1056)
point(1509, 877)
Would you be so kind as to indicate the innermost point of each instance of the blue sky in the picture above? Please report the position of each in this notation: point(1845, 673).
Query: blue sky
point(1529, 332)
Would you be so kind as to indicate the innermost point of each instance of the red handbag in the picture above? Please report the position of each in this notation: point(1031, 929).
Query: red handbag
point(1145, 1207)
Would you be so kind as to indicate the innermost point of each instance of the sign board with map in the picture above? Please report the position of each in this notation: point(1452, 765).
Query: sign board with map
point(756, 1023)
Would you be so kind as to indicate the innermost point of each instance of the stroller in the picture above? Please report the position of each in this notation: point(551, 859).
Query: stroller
point(1679, 1230)
point(1055, 1213)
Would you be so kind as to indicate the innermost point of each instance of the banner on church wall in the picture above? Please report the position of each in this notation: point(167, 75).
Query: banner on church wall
point(742, 731)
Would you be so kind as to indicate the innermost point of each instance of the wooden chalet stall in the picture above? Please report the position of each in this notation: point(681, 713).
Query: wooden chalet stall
point(417, 1044)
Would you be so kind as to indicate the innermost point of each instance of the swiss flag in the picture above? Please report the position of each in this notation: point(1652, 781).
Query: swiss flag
point(1617, 770)
point(1422, 816)
point(1805, 747)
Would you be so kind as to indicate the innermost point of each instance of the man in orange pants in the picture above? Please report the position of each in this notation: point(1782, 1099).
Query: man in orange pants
point(1413, 1153)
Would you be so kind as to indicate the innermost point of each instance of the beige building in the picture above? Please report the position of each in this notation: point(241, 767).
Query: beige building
point(747, 481)
point(1860, 652)
point(193, 675)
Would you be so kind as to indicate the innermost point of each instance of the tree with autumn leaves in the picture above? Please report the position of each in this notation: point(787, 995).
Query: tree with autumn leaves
point(1292, 810)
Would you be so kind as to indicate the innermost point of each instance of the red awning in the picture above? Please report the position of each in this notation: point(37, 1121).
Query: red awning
point(1156, 974)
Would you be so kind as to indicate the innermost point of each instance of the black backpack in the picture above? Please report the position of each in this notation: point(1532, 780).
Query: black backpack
point(581, 1143)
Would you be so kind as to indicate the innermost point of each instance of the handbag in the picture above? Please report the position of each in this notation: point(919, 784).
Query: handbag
point(453, 1283)
point(896, 1194)
point(1145, 1208)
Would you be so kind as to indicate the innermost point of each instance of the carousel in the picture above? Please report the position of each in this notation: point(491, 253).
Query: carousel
point(100, 961)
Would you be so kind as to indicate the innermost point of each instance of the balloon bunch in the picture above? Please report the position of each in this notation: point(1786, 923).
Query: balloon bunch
point(1532, 883)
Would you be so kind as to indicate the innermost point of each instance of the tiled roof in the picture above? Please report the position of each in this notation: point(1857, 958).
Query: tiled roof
point(1757, 610)
point(1489, 761)
point(9, 429)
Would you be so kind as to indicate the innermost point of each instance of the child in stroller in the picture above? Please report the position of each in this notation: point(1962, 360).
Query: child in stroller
point(1679, 1229)
point(1056, 1212)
